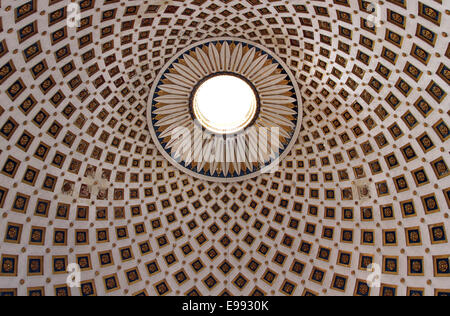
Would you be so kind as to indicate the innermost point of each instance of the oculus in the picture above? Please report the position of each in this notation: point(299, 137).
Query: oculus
point(225, 110)
point(224, 104)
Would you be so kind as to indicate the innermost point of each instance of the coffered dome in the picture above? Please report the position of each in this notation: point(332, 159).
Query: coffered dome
point(364, 180)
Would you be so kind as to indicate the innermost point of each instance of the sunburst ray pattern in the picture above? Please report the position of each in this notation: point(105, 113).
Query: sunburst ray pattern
point(216, 157)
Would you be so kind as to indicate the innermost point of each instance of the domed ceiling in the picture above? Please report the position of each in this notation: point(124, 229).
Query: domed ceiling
point(366, 182)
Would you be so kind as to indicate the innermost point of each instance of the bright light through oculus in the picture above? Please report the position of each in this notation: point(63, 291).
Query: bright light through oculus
point(224, 104)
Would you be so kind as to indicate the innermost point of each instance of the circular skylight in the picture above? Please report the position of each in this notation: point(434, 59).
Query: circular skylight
point(224, 104)
point(212, 84)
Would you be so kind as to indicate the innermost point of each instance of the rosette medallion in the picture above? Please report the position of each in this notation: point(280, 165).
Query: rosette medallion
point(224, 110)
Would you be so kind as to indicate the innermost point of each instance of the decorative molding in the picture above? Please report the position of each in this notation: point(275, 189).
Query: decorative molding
point(279, 107)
